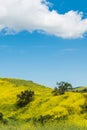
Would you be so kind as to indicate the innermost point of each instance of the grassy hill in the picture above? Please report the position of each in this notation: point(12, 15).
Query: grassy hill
point(70, 107)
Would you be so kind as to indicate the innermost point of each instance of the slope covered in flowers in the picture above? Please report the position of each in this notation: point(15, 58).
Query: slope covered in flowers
point(71, 106)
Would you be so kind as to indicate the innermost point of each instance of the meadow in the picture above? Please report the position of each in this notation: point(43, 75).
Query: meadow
point(45, 111)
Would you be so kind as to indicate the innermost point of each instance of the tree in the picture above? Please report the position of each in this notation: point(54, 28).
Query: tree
point(61, 88)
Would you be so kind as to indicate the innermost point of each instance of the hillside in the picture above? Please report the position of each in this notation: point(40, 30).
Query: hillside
point(71, 106)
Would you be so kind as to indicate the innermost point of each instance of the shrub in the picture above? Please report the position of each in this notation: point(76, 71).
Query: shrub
point(84, 90)
point(45, 118)
point(1, 116)
point(24, 98)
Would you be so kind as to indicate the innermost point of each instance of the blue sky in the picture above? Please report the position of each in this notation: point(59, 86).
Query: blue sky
point(45, 56)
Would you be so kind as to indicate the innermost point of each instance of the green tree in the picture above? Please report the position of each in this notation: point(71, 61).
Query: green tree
point(61, 88)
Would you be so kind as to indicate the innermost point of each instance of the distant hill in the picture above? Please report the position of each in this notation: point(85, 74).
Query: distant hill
point(80, 89)
point(71, 106)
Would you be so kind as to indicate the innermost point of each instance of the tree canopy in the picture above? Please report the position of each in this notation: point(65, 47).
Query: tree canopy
point(62, 87)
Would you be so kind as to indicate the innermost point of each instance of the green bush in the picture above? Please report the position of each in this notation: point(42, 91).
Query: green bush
point(1, 116)
point(45, 118)
point(24, 98)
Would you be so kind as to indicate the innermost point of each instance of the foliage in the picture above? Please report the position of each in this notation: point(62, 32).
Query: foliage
point(55, 91)
point(45, 118)
point(2, 120)
point(67, 106)
point(62, 87)
point(1, 116)
point(83, 90)
point(80, 89)
point(24, 98)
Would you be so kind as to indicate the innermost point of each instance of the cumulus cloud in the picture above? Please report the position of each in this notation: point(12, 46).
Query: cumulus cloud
point(31, 15)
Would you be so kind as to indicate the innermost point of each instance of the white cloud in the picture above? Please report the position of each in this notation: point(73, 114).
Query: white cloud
point(31, 15)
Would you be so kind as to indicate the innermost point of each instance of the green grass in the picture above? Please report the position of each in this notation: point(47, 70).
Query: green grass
point(52, 126)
